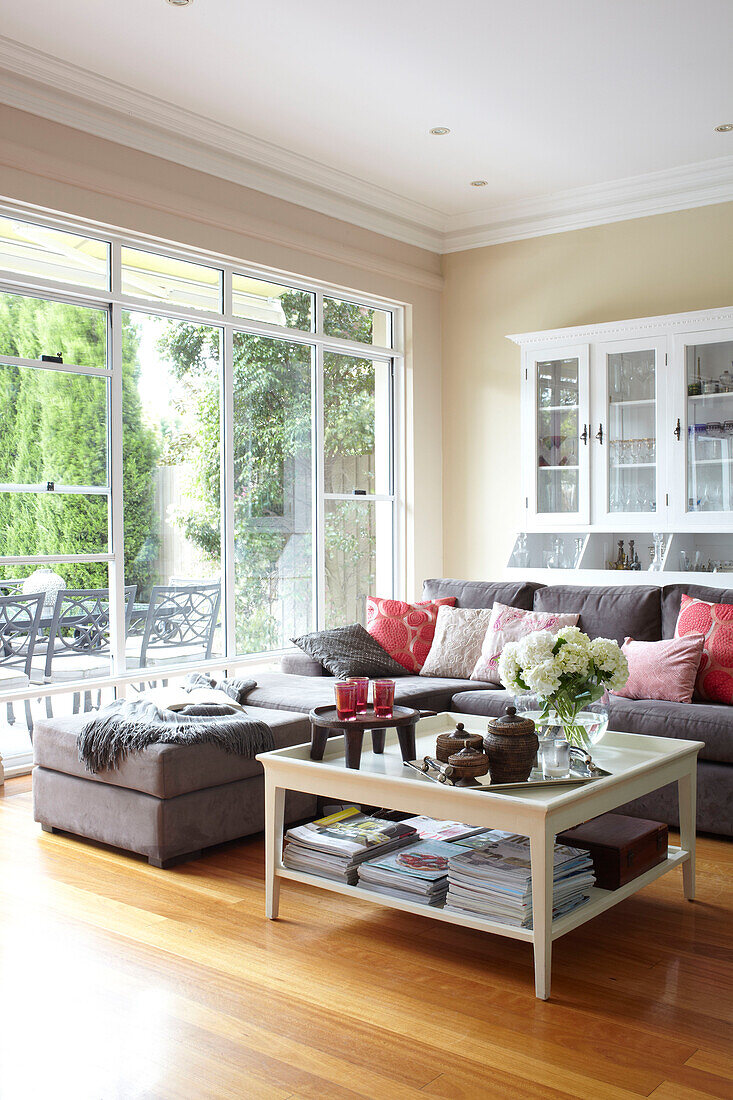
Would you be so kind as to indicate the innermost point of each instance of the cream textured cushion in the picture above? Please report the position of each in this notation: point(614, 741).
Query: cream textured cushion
point(509, 624)
point(459, 635)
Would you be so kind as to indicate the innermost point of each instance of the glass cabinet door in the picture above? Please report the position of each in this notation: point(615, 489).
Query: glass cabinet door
point(709, 382)
point(560, 474)
point(631, 381)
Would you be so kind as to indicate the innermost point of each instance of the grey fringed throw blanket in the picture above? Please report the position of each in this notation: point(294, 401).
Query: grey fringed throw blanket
point(214, 715)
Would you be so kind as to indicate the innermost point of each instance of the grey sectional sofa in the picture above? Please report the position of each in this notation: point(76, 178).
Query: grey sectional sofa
point(644, 612)
point(170, 802)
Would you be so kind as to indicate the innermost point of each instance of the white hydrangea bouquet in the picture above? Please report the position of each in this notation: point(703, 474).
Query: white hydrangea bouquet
point(567, 670)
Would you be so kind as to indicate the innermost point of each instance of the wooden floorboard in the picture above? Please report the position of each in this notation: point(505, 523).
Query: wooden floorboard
point(118, 980)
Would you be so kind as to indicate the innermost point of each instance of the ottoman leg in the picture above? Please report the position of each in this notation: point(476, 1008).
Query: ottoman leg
point(378, 737)
point(406, 735)
point(353, 740)
point(319, 736)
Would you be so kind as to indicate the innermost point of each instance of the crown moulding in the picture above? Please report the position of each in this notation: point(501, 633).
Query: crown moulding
point(43, 85)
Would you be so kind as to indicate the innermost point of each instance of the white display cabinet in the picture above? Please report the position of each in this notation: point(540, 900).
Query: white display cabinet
point(627, 430)
point(702, 557)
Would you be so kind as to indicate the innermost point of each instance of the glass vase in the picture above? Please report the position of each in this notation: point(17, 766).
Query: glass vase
point(585, 729)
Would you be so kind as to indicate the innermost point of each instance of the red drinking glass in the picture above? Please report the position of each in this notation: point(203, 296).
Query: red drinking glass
point(383, 698)
point(345, 699)
point(362, 692)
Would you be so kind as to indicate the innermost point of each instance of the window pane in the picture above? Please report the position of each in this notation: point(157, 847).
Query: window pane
point(166, 279)
point(54, 428)
point(32, 327)
point(272, 303)
point(632, 437)
point(51, 254)
point(356, 410)
point(352, 322)
point(171, 471)
point(358, 543)
point(272, 492)
point(52, 523)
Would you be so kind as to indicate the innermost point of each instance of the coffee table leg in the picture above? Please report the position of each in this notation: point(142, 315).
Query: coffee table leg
point(274, 818)
point(687, 795)
point(406, 735)
point(542, 850)
point(378, 737)
point(319, 736)
point(353, 740)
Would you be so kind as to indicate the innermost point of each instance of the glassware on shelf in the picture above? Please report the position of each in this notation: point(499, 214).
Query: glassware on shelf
point(556, 558)
point(521, 553)
point(657, 553)
point(690, 562)
point(579, 543)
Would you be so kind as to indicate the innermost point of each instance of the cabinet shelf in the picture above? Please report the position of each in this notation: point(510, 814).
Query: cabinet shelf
point(628, 403)
point(558, 468)
point(632, 465)
point(557, 408)
point(709, 396)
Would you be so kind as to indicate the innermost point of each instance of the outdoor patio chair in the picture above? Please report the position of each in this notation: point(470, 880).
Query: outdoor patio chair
point(179, 626)
point(79, 645)
point(19, 620)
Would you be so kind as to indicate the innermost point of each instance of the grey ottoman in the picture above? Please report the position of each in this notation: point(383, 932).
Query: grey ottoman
point(168, 802)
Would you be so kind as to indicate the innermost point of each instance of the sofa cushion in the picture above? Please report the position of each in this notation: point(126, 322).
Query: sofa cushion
point(672, 597)
point(456, 648)
point(406, 630)
point(481, 593)
point(666, 669)
point(715, 622)
point(348, 651)
point(281, 692)
point(164, 771)
point(300, 664)
point(509, 624)
point(607, 612)
point(706, 722)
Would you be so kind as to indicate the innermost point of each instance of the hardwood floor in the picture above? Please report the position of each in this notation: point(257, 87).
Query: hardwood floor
point(121, 981)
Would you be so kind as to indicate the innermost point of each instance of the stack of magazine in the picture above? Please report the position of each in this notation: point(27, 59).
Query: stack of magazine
point(334, 846)
point(416, 873)
point(495, 881)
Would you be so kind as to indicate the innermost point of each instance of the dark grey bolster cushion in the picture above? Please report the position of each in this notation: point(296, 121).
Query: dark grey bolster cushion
point(300, 664)
point(349, 651)
point(481, 593)
point(672, 597)
point(614, 612)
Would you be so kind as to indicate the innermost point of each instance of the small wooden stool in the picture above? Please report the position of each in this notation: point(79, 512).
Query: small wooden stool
point(325, 722)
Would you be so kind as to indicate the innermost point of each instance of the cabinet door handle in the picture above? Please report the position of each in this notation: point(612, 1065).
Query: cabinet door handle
point(599, 433)
point(584, 434)
point(678, 430)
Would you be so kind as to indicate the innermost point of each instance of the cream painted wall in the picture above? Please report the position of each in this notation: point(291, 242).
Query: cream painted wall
point(61, 169)
point(663, 264)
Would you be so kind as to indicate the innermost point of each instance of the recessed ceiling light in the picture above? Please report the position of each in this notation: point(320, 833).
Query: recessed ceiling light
point(438, 131)
point(724, 128)
point(479, 183)
point(180, 3)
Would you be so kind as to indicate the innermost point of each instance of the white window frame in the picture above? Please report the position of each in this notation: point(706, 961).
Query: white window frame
point(114, 302)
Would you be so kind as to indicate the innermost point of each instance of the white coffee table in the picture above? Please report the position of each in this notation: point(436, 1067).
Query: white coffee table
point(638, 764)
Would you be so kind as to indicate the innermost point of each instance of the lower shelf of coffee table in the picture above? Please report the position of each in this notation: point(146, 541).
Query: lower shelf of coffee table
point(598, 902)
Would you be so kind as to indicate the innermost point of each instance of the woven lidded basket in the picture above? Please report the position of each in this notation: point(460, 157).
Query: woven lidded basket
point(449, 743)
point(511, 746)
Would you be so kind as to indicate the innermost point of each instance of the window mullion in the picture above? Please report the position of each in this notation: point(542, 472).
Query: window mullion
point(227, 488)
point(319, 504)
point(116, 482)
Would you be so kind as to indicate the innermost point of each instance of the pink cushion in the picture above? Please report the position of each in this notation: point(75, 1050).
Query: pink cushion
point(662, 670)
point(715, 622)
point(509, 624)
point(405, 630)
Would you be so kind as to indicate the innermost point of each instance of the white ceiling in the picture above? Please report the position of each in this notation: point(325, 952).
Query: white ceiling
point(573, 111)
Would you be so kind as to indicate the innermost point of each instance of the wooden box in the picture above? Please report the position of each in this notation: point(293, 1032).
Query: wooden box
point(622, 848)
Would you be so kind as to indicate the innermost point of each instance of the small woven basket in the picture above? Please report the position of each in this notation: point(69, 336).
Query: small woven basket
point(449, 743)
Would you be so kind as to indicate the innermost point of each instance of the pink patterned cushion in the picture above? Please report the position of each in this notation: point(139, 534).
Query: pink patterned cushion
point(509, 624)
point(714, 621)
point(662, 670)
point(405, 630)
